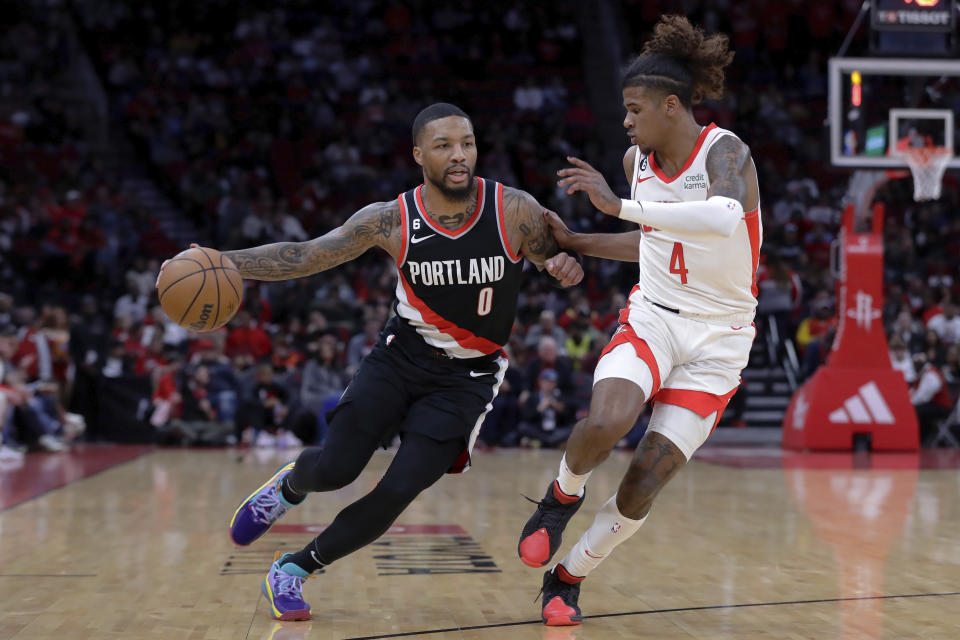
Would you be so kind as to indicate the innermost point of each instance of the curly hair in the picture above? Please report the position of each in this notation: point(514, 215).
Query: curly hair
point(682, 60)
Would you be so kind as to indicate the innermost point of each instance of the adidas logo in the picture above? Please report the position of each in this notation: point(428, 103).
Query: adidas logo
point(867, 406)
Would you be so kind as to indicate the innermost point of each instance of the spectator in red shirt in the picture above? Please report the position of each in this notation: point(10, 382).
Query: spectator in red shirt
point(930, 396)
point(153, 359)
point(818, 246)
point(780, 292)
point(63, 238)
point(247, 339)
point(932, 307)
point(166, 395)
point(286, 357)
point(264, 412)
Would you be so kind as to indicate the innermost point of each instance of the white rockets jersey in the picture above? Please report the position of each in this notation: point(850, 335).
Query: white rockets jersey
point(709, 276)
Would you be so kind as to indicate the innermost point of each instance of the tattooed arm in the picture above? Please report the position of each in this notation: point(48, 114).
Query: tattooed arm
point(376, 225)
point(729, 167)
point(527, 229)
point(731, 172)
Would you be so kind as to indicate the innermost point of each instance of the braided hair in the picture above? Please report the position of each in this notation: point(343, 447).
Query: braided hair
point(681, 60)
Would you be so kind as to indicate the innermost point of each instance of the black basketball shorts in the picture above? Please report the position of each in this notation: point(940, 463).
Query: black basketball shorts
point(404, 385)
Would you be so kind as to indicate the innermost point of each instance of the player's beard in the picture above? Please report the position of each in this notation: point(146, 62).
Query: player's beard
point(456, 194)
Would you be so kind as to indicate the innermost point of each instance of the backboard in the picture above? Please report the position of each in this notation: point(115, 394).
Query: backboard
point(877, 103)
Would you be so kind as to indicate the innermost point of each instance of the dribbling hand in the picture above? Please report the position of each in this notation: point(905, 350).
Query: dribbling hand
point(565, 269)
point(583, 177)
point(193, 245)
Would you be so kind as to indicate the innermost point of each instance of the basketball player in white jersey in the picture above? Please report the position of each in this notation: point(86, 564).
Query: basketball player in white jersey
point(687, 330)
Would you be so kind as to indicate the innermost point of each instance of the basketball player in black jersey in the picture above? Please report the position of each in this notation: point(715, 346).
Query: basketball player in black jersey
point(458, 241)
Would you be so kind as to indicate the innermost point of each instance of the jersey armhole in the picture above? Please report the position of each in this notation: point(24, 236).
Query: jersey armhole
point(502, 227)
point(404, 243)
point(636, 174)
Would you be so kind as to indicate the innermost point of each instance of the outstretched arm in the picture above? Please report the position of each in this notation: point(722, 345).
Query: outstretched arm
point(376, 225)
point(527, 228)
point(729, 168)
point(720, 214)
point(624, 247)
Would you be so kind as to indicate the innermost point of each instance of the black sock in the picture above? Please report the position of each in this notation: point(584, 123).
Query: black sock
point(307, 559)
point(289, 494)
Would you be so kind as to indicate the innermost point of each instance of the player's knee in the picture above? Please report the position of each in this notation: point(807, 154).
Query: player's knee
point(337, 477)
point(396, 495)
point(321, 470)
point(605, 429)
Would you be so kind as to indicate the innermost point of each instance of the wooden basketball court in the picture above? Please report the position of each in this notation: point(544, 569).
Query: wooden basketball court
point(127, 542)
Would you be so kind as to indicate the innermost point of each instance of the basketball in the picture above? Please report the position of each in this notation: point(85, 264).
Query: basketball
point(200, 289)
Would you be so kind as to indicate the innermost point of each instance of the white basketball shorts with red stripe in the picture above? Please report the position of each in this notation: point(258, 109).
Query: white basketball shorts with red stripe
point(687, 367)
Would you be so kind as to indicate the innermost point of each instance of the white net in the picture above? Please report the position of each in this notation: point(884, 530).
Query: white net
point(927, 165)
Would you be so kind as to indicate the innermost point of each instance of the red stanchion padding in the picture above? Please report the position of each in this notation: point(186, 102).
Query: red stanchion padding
point(839, 403)
point(860, 339)
point(856, 391)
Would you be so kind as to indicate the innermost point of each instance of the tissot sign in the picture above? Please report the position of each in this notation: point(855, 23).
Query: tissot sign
point(914, 15)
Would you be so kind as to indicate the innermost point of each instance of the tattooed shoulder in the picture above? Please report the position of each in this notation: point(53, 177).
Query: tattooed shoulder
point(725, 163)
point(526, 227)
point(377, 224)
point(517, 200)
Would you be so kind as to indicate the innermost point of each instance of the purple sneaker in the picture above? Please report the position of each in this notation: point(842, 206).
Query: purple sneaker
point(283, 588)
point(260, 510)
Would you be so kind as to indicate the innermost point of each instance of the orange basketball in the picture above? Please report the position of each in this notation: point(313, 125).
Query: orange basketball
point(200, 289)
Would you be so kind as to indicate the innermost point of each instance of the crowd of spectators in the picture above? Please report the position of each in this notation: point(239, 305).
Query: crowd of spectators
point(66, 229)
point(270, 121)
point(920, 309)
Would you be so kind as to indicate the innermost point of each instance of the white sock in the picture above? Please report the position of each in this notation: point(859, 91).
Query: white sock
point(570, 483)
point(609, 528)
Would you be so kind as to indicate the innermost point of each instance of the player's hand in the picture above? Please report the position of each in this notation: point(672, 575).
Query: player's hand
point(582, 177)
point(561, 232)
point(564, 268)
point(193, 245)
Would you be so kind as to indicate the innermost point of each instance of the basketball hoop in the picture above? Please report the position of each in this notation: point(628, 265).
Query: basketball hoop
point(927, 165)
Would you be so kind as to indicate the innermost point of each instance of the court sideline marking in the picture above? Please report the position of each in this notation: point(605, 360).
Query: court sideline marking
point(677, 610)
point(135, 455)
point(48, 575)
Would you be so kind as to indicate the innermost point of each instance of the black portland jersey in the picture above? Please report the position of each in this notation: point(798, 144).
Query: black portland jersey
point(458, 289)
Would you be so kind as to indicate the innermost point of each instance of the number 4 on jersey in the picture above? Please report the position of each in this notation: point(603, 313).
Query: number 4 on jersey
point(676, 262)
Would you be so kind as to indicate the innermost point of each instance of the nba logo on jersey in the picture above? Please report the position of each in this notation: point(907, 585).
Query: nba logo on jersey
point(615, 527)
